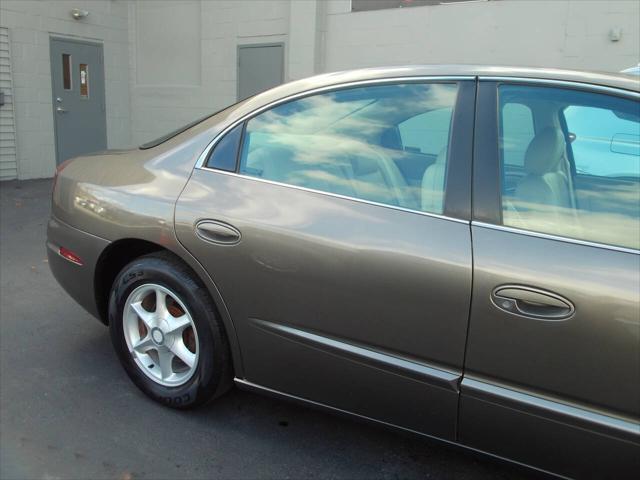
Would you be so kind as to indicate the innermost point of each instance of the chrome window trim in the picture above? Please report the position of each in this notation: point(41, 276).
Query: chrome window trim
point(563, 83)
point(548, 236)
point(563, 410)
point(200, 163)
point(337, 195)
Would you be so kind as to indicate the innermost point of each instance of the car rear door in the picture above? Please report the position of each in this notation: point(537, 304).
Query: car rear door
point(552, 372)
point(348, 284)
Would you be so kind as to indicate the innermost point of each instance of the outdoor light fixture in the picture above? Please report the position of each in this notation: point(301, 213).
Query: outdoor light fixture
point(615, 34)
point(77, 14)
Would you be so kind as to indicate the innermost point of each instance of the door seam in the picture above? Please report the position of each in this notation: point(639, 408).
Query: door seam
point(466, 340)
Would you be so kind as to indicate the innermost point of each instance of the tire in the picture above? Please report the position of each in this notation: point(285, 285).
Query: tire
point(137, 319)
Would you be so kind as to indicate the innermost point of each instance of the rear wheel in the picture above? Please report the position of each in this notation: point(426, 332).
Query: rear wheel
point(166, 332)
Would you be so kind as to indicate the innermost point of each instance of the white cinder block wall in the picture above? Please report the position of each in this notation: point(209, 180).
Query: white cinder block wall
point(545, 33)
point(324, 35)
point(169, 61)
point(30, 24)
point(202, 77)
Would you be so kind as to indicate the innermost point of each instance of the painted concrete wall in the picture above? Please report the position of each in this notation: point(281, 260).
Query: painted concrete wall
point(8, 159)
point(322, 36)
point(167, 102)
point(31, 23)
point(169, 61)
point(561, 33)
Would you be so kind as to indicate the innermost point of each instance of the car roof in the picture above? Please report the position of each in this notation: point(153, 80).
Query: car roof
point(229, 116)
point(613, 80)
point(616, 80)
point(632, 70)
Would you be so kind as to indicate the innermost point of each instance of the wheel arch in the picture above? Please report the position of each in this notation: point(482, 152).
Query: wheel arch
point(123, 251)
point(110, 262)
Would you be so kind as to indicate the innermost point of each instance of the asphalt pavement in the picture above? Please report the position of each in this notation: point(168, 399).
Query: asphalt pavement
point(67, 409)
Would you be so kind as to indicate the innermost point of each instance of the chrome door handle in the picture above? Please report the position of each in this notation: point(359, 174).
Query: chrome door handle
point(60, 110)
point(218, 232)
point(531, 302)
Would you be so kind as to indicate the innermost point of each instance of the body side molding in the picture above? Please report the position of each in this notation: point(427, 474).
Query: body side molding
point(367, 355)
point(623, 428)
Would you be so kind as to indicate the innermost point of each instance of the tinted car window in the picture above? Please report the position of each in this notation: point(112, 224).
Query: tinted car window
point(518, 131)
point(604, 144)
point(580, 175)
point(427, 132)
point(346, 142)
point(225, 153)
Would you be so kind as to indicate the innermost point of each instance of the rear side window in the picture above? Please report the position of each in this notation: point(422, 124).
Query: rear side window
point(347, 142)
point(580, 172)
point(426, 133)
point(225, 153)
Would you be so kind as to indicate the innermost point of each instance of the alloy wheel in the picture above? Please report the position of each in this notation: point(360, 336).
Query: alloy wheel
point(161, 335)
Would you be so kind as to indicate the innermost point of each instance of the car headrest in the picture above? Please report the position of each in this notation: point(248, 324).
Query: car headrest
point(364, 164)
point(544, 152)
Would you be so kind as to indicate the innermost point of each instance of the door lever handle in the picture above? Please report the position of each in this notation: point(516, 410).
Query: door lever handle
point(532, 302)
point(217, 232)
point(60, 110)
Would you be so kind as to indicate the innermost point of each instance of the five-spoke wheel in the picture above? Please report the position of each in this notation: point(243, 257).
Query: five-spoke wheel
point(160, 334)
point(167, 333)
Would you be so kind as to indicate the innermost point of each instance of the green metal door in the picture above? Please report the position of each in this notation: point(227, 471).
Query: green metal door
point(260, 67)
point(77, 73)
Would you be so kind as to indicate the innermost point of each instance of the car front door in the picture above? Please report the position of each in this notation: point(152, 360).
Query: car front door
point(348, 281)
point(552, 373)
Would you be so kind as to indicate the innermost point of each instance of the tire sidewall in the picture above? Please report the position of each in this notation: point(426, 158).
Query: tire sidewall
point(204, 381)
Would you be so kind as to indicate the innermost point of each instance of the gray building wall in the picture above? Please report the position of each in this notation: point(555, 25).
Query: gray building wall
point(570, 34)
point(181, 87)
point(170, 61)
point(8, 160)
point(322, 36)
point(30, 24)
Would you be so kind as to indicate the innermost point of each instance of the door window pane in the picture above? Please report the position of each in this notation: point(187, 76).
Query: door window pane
point(603, 143)
point(518, 131)
point(580, 175)
point(84, 80)
point(66, 71)
point(350, 142)
point(426, 133)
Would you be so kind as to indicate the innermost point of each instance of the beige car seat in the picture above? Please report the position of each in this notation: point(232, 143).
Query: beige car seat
point(433, 184)
point(543, 200)
point(545, 181)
